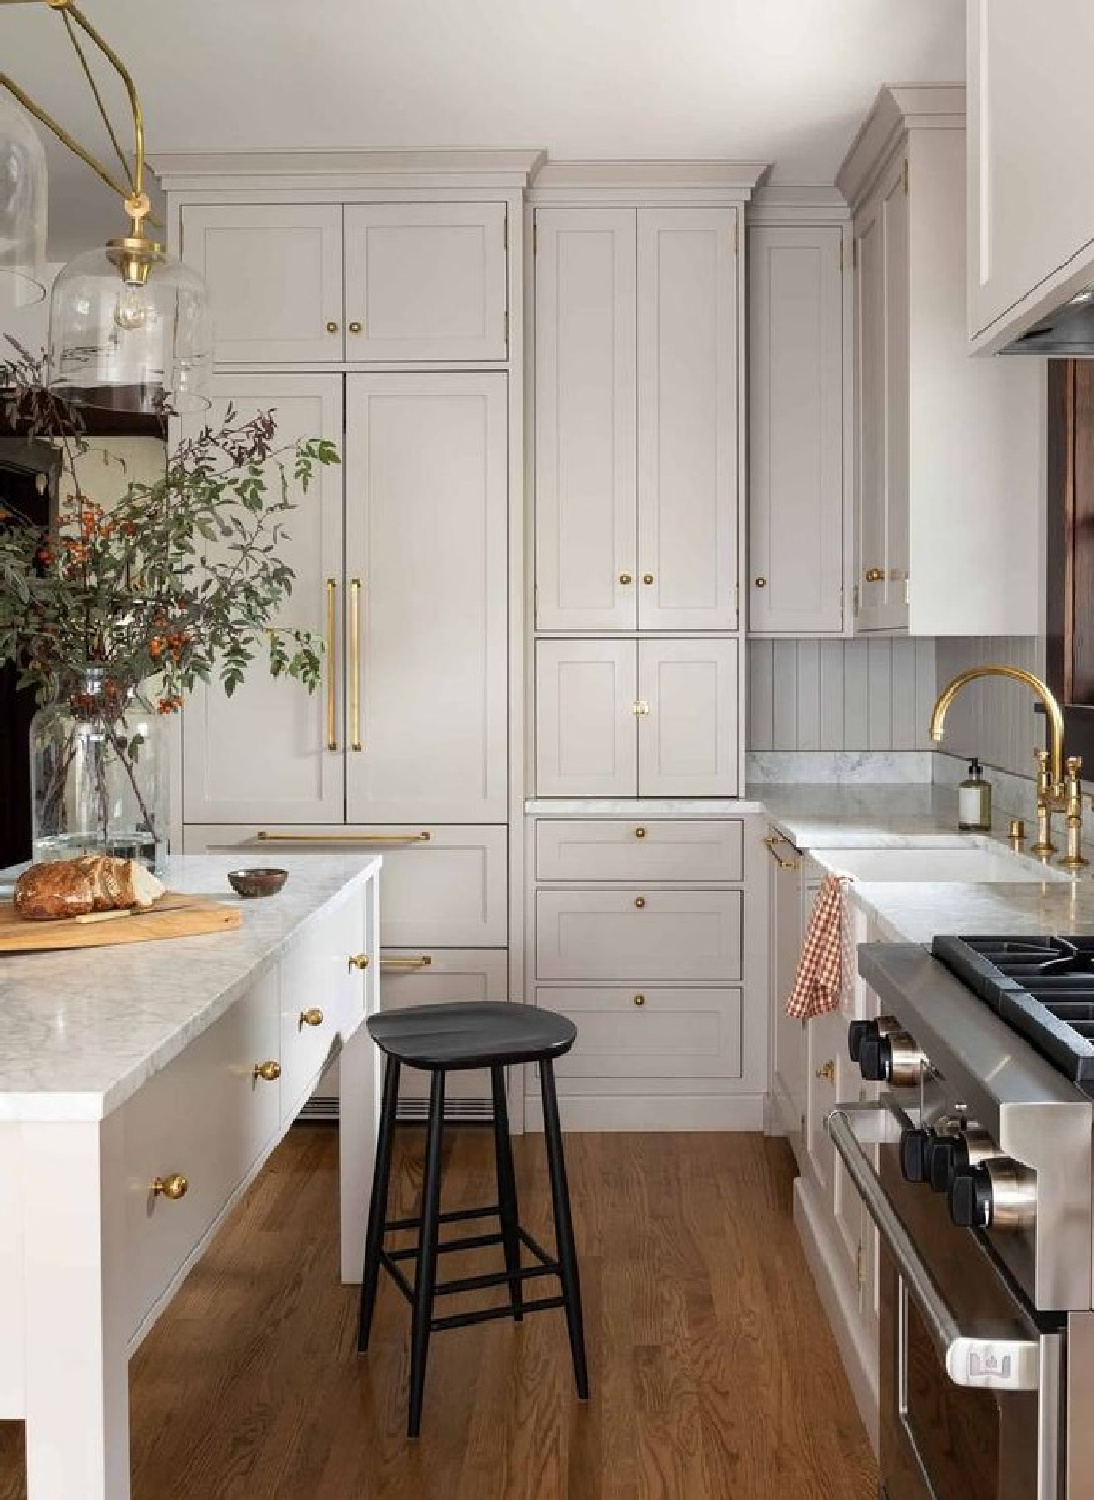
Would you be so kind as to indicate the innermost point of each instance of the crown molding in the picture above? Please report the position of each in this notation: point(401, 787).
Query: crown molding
point(898, 109)
point(351, 171)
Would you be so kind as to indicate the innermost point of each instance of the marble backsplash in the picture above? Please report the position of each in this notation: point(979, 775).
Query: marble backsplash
point(815, 767)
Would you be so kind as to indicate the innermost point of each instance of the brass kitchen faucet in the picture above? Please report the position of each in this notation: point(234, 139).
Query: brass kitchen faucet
point(1059, 787)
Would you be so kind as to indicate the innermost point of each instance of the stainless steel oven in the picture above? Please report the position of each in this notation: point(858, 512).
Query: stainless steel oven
point(972, 1378)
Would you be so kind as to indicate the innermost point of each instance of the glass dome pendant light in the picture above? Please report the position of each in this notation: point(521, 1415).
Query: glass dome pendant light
point(23, 197)
point(129, 326)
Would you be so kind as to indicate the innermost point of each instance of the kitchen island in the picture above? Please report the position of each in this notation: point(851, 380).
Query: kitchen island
point(141, 1089)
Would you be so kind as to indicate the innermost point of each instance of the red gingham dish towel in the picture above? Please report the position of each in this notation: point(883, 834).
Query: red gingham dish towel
point(820, 968)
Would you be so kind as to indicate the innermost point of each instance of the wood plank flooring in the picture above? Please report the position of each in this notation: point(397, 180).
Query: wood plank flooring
point(713, 1370)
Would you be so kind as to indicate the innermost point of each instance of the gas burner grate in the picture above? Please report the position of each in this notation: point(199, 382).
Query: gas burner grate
point(1041, 986)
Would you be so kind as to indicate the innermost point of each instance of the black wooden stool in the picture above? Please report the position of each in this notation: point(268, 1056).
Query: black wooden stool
point(440, 1038)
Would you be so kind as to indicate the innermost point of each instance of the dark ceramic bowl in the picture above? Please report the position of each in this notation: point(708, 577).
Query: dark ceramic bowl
point(257, 882)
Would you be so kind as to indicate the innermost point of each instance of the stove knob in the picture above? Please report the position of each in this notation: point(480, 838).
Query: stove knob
point(874, 1057)
point(971, 1198)
point(855, 1033)
point(945, 1157)
point(915, 1148)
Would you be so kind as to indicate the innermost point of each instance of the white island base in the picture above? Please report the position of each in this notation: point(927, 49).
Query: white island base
point(121, 1066)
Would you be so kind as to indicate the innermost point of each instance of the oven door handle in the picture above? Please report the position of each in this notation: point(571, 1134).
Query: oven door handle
point(1003, 1364)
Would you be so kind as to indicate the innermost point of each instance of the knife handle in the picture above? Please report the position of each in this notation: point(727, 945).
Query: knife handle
point(105, 916)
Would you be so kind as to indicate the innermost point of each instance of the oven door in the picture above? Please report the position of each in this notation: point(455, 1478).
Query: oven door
point(971, 1381)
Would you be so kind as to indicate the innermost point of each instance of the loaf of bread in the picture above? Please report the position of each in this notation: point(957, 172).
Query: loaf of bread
point(74, 887)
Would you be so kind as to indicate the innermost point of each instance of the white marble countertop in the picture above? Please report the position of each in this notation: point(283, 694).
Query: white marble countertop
point(80, 1031)
point(644, 807)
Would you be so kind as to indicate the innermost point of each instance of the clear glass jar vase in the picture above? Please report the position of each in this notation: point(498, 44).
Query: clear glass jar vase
point(99, 774)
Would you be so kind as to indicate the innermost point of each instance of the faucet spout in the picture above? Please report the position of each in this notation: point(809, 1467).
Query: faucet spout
point(1040, 689)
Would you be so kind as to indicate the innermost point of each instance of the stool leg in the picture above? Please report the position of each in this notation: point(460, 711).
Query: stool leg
point(564, 1227)
point(377, 1209)
point(426, 1275)
point(507, 1191)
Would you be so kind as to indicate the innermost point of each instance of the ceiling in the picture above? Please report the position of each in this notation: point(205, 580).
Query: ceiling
point(784, 81)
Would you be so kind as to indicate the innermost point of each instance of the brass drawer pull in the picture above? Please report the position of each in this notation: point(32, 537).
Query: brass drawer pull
point(640, 902)
point(626, 578)
point(332, 686)
point(783, 864)
point(640, 708)
point(639, 999)
point(761, 583)
point(358, 961)
point(640, 833)
point(312, 1017)
point(355, 327)
point(647, 578)
point(269, 1072)
point(172, 1188)
point(355, 664)
point(332, 326)
point(343, 838)
point(404, 962)
point(827, 1071)
point(875, 575)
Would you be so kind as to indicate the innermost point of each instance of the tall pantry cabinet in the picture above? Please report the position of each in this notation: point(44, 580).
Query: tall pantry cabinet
point(375, 298)
point(638, 857)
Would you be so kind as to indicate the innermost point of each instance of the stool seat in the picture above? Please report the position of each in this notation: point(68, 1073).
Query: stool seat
point(485, 1033)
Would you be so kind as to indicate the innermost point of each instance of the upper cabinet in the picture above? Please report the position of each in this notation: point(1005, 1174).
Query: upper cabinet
point(412, 283)
point(1031, 194)
point(426, 281)
point(948, 469)
point(636, 418)
point(797, 416)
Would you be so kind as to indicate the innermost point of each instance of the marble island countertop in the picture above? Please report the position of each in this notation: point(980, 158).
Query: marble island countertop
point(83, 1029)
point(822, 820)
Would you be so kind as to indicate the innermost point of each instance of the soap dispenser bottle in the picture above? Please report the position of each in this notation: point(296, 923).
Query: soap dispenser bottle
point(974, 801)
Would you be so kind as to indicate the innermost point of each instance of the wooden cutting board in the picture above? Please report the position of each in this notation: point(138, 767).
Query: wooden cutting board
point(182, 916)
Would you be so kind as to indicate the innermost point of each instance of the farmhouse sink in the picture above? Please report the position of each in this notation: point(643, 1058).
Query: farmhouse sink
point(976, 864)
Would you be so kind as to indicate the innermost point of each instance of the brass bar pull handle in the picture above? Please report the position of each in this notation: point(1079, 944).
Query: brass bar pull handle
point(783, 864)
point(405, 962)
point(355, 664)
point(264, 836)
point(332, 664)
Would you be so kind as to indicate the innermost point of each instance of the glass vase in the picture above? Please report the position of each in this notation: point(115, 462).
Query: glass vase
point(99, 774)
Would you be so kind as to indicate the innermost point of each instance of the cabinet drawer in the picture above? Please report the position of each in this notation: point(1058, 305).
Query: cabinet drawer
point(650, 1033)
point(451, 977)
point(450, 888)
point(592, 849)
point(323, 995)
point(638, 934)
point(207, 1117)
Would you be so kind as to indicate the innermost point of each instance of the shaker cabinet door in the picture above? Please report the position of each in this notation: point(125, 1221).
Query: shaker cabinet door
point(688, 740)
point(687, 419)
point(585, 335)
point(586, 745)
point(273, 751)
point(426, 281)
point(796, 422)
point(427, 598)
point(274, 273)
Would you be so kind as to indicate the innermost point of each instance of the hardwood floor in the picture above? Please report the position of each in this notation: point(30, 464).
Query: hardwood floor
point(713, 1370)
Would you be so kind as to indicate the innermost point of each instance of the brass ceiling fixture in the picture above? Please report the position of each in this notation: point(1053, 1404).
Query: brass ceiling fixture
point(129, 325)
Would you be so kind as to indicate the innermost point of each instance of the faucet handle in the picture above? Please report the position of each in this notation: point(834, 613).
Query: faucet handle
point(1074, 765)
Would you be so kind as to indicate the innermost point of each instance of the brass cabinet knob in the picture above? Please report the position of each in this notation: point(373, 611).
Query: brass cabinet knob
point(358, 961)
point(173, 1187)
point(626, 578)
point(639, 999)
point(640, 708)
point(269, 1072)
point(640, 833)
point(640, 902)
point(827, 1071)
point(761, 583)
point(313, 1017)
point(875, 575)
point(647, 578)
point(355, 327)
point(332, 327)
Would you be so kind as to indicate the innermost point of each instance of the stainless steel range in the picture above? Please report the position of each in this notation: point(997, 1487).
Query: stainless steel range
point(975, 1164)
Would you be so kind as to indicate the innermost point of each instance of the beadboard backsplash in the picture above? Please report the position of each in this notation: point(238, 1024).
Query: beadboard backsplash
point(993, 719)
point(840, 695)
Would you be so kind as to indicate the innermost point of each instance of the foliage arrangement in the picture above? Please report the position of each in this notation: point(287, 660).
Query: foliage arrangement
point(177, 582)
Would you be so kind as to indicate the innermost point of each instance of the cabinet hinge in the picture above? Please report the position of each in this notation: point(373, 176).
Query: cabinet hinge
point(736, 234)
point(535, 236)
point(904, 176)
point(505, 232)
point(854, 252)
point(841, 252)
point(854, 599)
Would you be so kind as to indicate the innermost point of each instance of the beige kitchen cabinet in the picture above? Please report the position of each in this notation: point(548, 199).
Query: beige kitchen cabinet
point(788, 1046)
point(655, 849)
point(267, 752)
point(427, 598)
point(653, 717)
point(274, 274)
point(796, 405)
point(639, 934)
point(426, 281)
point(948, 466)
point(636, 418)
point(1030, 200)
point(658, 1032)
point(586, 413)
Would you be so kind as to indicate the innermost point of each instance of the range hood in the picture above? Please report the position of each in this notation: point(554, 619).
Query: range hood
point(1066, 333)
